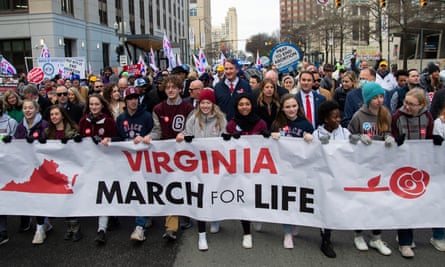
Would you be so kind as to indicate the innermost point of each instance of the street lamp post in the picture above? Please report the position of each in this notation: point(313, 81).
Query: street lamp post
point(119, 29)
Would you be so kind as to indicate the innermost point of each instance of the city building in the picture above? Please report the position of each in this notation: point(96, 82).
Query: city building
point(99, 30)
point(225, 37)
point(200, 31)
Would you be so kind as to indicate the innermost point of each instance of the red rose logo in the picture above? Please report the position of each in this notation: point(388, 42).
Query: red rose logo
point(408, 182)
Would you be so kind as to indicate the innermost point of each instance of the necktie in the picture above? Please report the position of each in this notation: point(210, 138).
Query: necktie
point(308, 109)
point(231, 88)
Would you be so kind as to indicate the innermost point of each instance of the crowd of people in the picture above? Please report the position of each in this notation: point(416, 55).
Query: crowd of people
point(315, 104)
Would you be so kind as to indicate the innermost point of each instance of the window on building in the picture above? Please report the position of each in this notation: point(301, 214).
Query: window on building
point(119, 12)
point(103, 15)
point(131, 11)
point(142, 16)
point(15, 51)
point(67, 7)
point(193, 12)
point(106, 54)
point(150, 17)
point(13, 5)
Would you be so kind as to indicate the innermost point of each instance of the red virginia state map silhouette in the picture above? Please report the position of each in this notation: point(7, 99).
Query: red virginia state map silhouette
point(45, 179)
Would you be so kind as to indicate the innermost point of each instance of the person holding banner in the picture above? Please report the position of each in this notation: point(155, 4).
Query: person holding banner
point(12, 105)
point(291, 121)
point(207, 121)
point(268, 102)
point(134, 123)
point(329, 116)
point(98, 123)
point(33, 127)
point(373, 122)
point(169, 119)
point(414, 121)
point(245, 122)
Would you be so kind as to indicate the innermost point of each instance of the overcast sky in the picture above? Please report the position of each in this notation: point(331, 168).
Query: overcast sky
point(254, 16)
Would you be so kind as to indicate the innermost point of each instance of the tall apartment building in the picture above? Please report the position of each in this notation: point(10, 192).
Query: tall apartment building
point(231, 27)
point(200, 25)
point(90, 28)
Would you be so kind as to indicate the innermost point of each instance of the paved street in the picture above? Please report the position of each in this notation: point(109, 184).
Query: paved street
point(224, 248)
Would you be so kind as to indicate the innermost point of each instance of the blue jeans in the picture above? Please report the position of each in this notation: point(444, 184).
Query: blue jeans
point(141, 221)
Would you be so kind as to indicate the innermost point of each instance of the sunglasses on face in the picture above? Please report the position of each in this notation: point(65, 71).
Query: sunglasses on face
point(62, 94)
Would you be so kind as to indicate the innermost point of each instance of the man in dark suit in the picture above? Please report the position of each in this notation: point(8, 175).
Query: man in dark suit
point(308, 99)
point(195, 88)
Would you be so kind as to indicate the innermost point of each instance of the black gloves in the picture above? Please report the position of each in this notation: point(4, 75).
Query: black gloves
point(188, 138)
point(42, 140)
point(29, 139)
point(64, 140)
point(437, 140)
point(265, 133)
point(236, 135)
point(400, 139)
point(226, 136)
point(96, 139)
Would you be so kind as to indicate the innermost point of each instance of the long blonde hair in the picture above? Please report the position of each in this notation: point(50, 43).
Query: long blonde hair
point(220, 117)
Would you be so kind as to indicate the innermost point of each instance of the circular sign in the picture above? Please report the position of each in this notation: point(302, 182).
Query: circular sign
point(286, 57)
point(35, 75)
point(264, 61)
point(322, 2)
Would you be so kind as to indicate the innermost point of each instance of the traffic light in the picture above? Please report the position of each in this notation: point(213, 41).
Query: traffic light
point(423, 3)
point(337, 3)
point(383, 3)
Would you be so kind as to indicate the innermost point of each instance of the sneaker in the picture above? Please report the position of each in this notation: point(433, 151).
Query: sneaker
point(202, 242)
point(360, 243)
point(100, 237)
point(413, 244)
point(257, 226)
point(247, 241)
point(138, 234)
point(328, 249)
point(3, 238)
point(25, 224)
point(288, 241)
point(406, 251)
point(39, 237)
point(169, 235)
point(438, 244)
point(47, 226)
point(214, 227)
point(380, 246)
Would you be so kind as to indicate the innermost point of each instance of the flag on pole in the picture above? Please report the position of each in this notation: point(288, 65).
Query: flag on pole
point(90, 69)
point(168, 51)
point(198, 65)
point(143, 66)
point(202, 59)
point(178, 59)
point(258, 62)
point(223, 59)
point(45, 51)
point(7, 67)
point(152, 60)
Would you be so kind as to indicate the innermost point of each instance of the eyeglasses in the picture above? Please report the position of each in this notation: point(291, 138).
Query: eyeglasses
point(98, 86)
point(62, 94)
point(318, 80)
point(411, 104)
point(193, 89)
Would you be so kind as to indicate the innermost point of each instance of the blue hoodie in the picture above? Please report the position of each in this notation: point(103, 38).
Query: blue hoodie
point(128, 127)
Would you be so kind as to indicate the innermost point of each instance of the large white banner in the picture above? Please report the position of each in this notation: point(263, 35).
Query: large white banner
point(338, 185)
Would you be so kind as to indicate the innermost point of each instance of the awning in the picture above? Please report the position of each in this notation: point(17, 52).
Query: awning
point(145, 41)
